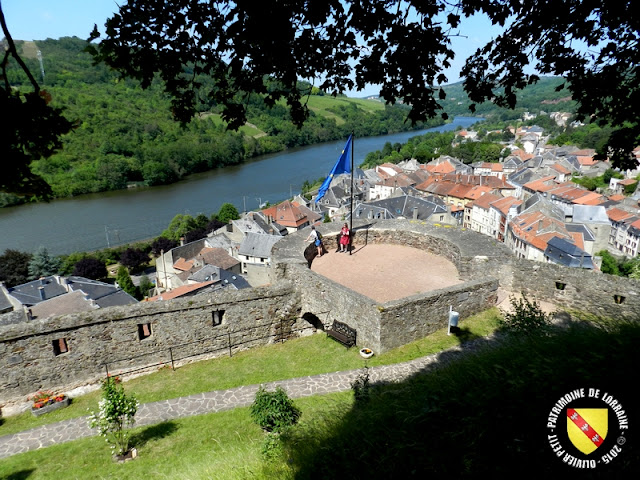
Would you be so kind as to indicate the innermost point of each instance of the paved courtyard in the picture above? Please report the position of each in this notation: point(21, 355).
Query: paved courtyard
point(387, 272)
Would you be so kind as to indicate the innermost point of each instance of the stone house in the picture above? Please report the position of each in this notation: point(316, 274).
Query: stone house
point(174, 267)
point(481, 220)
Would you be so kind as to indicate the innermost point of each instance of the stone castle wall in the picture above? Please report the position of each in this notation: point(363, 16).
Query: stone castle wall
point(178, 328)
point(298, 302)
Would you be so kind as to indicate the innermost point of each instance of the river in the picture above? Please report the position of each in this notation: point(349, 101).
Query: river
point(95, 221)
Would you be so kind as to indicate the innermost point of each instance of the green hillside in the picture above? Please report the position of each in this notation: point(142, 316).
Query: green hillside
point(535, 98)
point(126, 135)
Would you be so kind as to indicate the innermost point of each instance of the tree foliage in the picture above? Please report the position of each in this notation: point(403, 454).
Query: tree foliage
point(34, 129)
point(126, 135)
point(116, 412)
point(403, 47)
point(42, 264)
point(274, 411)
point(125, 283)
point(14, 267)
point(89, 267)
point(525, 317)
point(227, 212)
point(134, 258)
point(162, 244)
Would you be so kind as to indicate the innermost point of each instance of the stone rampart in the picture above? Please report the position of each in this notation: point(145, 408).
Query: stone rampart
point(575, 289)
point(382, 326)
point(33, 357)
point(72, 350)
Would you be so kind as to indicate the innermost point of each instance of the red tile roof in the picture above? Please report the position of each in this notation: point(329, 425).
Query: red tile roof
point(504, 204)
point(560, 169)
point(537, 229)
point(444, 167)
point(586, 160)
point(617, 215)
point(541, 185)
point(183, 264)
point(485, 200)
point(591, 198)
point(286, 214)
point(180, 291)
point(217, 256)
point(478, 192)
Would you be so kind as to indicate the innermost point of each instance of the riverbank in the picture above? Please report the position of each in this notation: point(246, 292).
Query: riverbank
point(94, 221)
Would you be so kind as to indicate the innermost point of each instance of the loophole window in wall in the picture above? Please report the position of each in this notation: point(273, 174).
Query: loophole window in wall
point(144, 330)
point(60, 346)
point(217, 317)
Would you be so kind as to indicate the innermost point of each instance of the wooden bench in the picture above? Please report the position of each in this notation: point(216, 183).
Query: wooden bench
point(342, 333)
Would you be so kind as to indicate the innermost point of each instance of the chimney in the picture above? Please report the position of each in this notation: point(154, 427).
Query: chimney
point(41, 292)
point(181, 241)
point(415, 213)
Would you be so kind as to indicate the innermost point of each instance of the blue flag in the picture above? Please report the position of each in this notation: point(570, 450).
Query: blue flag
point(343, 165)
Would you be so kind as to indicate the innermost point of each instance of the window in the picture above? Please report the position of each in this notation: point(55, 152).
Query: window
point(560, 285)
point(60, 346)
point(217, 317)
point(144, 331)
point(618, 299)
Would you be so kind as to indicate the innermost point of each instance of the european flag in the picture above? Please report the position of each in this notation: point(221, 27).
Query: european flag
point(343, 165)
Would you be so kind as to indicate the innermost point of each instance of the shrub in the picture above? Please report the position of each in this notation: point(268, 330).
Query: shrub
point(527, 317)
point(361, 386)
point(116, 412)
point(274, 411)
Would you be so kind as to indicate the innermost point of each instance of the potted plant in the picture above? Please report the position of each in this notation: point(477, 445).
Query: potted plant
point(366, 352)
point(46, 401)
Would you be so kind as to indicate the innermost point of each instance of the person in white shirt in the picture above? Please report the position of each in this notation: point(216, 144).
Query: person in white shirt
point(316, 239)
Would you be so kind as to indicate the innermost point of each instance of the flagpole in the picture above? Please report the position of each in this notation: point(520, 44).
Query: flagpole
point(351, 205)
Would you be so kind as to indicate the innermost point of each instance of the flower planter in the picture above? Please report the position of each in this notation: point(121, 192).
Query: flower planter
point(51, 406)
point(366, 353)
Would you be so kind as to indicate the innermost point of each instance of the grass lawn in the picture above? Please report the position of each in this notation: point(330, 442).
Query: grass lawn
point(258, 365)
point(221, 446)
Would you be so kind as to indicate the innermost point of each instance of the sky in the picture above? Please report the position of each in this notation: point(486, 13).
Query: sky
point(42, 19)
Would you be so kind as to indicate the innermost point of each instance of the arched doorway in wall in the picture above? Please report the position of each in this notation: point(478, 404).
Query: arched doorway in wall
point(314, 321)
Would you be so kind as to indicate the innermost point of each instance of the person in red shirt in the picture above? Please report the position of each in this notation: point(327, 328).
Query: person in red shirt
point(344, 238)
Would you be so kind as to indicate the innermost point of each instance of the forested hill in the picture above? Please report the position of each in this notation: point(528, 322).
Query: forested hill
point(540, 97)
point(126, 135)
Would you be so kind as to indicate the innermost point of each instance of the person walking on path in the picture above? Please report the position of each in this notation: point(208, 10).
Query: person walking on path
point(344, 238)
point(315, 236)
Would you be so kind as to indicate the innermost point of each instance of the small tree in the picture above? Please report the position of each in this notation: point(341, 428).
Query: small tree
point(124, 281)
point(527, 317)
point(361, 386)
point(14, 267)
point(144, 287)
point(116, 412)
point(228, 212)
point(195, 234)
point(134, 259)
point(162, 244)
point(274, 411)
point(90, 268)
point(214, 224)
point(42, 264)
